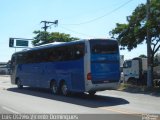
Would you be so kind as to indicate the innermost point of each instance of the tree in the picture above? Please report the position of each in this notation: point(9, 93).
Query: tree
point(134, 32)
point(46, 37)
point(143, 56)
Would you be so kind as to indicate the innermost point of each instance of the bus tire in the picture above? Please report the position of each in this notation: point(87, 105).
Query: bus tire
point(64, 89)
point(92, 93)
point(19, 84)
point(54, 87)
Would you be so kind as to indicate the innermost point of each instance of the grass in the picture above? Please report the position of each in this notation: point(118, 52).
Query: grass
point(155, 91)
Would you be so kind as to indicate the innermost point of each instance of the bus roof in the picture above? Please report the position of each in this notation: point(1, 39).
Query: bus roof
point(49, 45)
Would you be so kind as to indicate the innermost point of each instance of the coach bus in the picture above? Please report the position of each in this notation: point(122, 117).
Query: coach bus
point(88, 65)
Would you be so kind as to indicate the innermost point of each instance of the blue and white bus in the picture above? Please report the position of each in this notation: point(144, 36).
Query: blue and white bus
point(88, 65)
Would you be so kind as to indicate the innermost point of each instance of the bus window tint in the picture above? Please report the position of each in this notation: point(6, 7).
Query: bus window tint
point(103, 47)
point(78, 51)
point(62, 53)
point(20, 58)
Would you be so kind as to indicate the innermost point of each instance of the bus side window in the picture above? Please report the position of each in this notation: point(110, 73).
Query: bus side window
point(79, 51)
point(53, 54)
point(68, 53)
point(20, 58)
point(30, 58)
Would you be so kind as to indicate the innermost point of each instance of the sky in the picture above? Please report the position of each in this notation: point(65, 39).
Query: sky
point(79, 18)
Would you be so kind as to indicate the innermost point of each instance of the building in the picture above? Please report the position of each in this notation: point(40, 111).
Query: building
point(4, 68)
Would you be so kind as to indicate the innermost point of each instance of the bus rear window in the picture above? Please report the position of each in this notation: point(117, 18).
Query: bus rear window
point(103, 46)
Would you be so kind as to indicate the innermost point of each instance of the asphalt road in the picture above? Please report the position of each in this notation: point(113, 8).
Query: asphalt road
point(114, 104)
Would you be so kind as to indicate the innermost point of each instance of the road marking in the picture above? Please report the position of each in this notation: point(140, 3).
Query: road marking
point(122, 111)
point(10, 110)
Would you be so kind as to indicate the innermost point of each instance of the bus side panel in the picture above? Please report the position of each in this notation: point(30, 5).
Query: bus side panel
point(78, 82)
point(13, 74)
point(23, 74)
point(40, 75)
point(48, 74)
point(72, 72)
point(28, 74)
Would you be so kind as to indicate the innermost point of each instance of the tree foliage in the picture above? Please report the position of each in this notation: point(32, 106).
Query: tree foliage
point(46, 37)
point(143, 56)
point(134, 32)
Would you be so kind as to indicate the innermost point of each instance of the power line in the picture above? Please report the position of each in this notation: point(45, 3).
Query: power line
point(92, 11)
point(100, 17)
point(77, 32)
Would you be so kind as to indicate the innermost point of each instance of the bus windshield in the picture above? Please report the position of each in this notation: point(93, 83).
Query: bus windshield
point(103, 46)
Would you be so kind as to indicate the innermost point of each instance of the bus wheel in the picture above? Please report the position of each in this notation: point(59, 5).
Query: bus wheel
point(92, 93)
point(54, 88)
point(64, 89)
point(19, 84)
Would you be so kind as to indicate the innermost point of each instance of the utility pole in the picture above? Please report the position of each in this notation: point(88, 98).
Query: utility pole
point(149, 74)
point(46, 27)
point(48, 22)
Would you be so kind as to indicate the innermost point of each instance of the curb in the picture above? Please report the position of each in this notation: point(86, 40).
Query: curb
point(4, 75)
